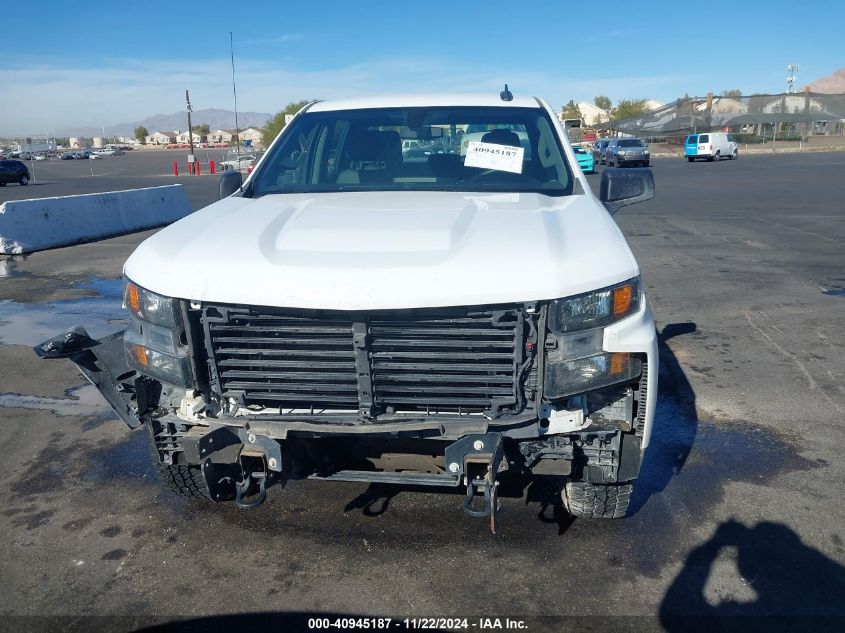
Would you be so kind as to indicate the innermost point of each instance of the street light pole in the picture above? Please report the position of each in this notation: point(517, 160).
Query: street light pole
point(190, 131)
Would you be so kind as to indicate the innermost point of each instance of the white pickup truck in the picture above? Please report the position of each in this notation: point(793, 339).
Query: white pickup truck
point(450, 319)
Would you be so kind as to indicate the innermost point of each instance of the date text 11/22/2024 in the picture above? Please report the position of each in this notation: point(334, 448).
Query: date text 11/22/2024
point(415, 624)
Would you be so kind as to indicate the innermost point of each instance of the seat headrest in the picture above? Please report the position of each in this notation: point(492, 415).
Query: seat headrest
point(375, 146)
point(501, 137)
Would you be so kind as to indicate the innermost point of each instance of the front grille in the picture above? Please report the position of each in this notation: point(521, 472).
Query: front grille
point(459, 360)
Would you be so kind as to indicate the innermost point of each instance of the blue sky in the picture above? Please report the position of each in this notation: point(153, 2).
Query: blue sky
point(92, 63)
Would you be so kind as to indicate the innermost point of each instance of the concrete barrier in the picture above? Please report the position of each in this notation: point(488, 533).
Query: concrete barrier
point(34, 225)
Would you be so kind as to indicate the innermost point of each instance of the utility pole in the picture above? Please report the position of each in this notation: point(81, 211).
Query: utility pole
point(190, 134)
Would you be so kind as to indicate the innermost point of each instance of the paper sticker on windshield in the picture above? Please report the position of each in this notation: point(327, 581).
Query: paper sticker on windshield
point(494, 156)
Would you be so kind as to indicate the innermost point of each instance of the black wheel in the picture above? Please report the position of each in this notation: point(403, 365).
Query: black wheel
point(184, 480)
point(24, 181)
point(596, 501)
point(690, 159)
point(735, 155)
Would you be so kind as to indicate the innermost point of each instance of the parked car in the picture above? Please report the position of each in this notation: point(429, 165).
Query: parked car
point(627, 151)
point(13, 171)
point(366, 326)
point(585, 159)
point(40, 157)
point(238, 163)
point(66, 156)
point(599, 148)
point(710, 146)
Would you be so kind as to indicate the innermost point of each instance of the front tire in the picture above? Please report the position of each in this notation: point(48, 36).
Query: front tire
point(184, 480)
point(690, 159)
point(597, 501)
point(735, 155)
point(24, 181)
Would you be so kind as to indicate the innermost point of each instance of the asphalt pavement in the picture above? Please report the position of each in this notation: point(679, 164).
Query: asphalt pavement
point(737, 512)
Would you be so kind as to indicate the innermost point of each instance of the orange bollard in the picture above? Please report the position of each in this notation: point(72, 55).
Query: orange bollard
point(211, 166)
point(199, 169)
point(175, 167)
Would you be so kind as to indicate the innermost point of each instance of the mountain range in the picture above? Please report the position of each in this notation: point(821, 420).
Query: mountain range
point(834, 83)
point(216, 119)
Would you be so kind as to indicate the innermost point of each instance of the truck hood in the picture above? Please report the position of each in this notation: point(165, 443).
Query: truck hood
point(385, 250)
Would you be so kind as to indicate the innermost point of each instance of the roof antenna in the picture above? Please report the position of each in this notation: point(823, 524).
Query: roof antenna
point(235, 94)
point(506, 95)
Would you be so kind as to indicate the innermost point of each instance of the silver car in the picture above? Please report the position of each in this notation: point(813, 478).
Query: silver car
point(627, 151)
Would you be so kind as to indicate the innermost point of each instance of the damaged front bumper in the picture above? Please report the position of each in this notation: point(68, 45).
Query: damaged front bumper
point(103, 363)
point(240, 457)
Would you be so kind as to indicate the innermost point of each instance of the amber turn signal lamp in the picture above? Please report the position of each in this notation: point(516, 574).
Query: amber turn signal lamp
point(139, 353)
point(623, 296)
point(618, 363)
point(133, 298)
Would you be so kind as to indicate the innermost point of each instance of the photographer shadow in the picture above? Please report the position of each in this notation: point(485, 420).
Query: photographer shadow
point(797, 587)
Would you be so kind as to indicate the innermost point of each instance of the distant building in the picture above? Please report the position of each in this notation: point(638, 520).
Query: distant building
point(793, 103)
point(182, 138)
point(160, 138)
point(727, 105)
point(252, 134)
point(77, 142)
point(221, 136)
point(592, 113)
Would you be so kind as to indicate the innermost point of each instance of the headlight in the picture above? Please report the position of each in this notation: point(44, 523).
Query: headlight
point(174, 370)
point(575, 360)
point(592, 372)
point(150, 307)
point(594, 309)
point(621, 153)
point(153, 341)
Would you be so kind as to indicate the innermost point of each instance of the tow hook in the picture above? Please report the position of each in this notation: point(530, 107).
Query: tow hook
point(491, 505)
point(252, 479)
point(477, 460)
point(256, 465)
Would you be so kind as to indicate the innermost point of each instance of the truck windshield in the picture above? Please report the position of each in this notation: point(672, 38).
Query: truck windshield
point(474, 149)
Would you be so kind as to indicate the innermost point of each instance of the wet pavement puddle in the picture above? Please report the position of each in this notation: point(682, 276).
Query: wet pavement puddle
point(80, 401)
point(30, 324)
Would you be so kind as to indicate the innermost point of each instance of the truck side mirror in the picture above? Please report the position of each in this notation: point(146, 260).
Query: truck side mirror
point(229, 183)
point(621, 187)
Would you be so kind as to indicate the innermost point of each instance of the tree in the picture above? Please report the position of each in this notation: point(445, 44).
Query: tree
point(571, 111)
point(141, 133)
point(275, 125)
point(603, 102)
point(735, 92)
point(629, 108)
point(202, 130)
